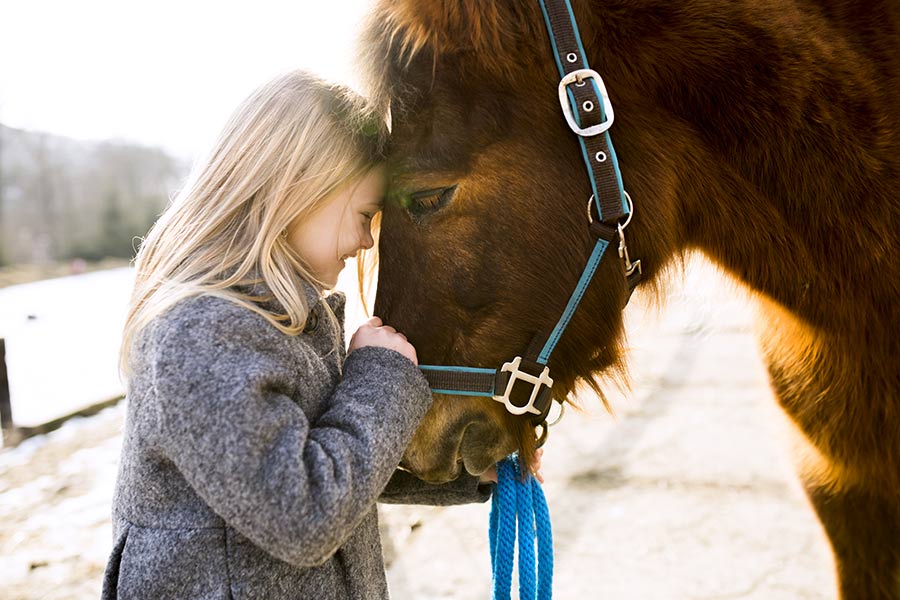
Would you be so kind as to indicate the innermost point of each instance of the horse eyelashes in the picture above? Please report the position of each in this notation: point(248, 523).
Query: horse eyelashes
point(427, 202)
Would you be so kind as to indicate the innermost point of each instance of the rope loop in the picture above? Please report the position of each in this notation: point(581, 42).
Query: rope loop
point(519, 511)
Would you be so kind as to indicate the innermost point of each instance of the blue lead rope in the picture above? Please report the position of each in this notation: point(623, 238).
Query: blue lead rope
point(519, 509)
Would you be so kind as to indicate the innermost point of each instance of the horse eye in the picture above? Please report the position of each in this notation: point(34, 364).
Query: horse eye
point(427, 202)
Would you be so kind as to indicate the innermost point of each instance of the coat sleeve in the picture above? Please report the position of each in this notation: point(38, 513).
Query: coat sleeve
point(296, 488)
point(405, 488)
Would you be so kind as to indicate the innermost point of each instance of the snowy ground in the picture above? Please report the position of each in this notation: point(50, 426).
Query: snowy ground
point(62, 339)
point(686, 493)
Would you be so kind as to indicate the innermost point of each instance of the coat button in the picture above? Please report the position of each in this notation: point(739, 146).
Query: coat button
point(312, 322)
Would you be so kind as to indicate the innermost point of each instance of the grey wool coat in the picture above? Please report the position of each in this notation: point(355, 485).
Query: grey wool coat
point(252, 460)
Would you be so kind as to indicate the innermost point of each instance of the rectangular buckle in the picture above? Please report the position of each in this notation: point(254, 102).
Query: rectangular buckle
point(577, 77)
point(515, 374)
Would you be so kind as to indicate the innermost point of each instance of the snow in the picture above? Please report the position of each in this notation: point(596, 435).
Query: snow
point(62, 341)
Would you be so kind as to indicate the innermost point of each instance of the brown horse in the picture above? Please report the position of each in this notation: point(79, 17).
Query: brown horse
point(764, 133)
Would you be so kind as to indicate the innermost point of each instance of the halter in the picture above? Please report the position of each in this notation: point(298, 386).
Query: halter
point(589, 113)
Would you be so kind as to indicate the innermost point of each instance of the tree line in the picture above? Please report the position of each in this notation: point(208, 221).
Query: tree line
point(63, 199)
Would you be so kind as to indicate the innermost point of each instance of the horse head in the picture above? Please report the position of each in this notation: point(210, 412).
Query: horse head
point(486, 229)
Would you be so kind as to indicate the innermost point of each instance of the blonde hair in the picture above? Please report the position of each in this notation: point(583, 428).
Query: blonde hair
point(289, 145)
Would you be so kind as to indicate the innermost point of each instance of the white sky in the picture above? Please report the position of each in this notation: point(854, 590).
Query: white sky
point(159, 72)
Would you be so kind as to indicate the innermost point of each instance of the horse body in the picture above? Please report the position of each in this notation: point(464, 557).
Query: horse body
point(764, 134)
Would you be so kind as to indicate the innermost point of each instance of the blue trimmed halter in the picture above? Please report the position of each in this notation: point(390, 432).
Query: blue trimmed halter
point(518, 507)
point(589, 114)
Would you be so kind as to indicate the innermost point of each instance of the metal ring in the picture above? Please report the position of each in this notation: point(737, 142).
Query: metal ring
point(562, 411)
point(597, 156)
point(588, 106)
point(571, 57)
point(621, 225)
point(630, 211)
point(542, 439)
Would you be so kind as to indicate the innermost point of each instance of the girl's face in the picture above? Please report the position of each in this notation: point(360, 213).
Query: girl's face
point(341, 226)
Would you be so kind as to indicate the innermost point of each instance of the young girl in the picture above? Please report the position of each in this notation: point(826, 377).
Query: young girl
point(254, 450)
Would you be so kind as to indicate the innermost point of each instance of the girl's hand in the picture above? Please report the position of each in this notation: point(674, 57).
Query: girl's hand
point(374, 333)
point(490, 476)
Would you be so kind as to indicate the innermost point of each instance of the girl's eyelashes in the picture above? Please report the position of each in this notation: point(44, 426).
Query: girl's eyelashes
point(368, 216)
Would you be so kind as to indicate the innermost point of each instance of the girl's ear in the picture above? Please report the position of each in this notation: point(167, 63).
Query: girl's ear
point(494, 29)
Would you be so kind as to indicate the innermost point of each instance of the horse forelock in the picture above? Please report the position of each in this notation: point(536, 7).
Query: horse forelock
point(493, 36)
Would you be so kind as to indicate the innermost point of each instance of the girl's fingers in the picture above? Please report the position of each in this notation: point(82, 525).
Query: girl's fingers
point(537, 465)
point(374, 322)
point(489, 476)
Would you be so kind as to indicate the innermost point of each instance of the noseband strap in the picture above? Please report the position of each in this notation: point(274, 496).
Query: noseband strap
point(588, 112)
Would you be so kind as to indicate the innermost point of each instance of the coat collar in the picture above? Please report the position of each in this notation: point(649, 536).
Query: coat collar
point(336, 301)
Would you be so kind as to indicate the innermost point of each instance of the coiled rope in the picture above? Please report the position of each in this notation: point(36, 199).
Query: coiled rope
point(519, 509)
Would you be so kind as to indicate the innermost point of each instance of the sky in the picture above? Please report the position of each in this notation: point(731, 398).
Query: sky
point(163, 73)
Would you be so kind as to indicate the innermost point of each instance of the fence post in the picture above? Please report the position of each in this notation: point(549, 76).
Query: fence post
point(6, 422)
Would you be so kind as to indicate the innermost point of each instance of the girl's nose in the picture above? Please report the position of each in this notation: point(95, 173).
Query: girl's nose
point(367, 241)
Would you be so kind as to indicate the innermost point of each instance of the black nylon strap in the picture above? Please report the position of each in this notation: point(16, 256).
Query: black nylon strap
point(598, 230)
point(461, 381)
point(599, 156)
point(633, 280)
point(603, 231)
point(488, 384)
point(563, 34)
point(598, 151)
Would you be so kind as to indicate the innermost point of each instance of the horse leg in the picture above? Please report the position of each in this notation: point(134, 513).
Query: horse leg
point(864, 529)
point(842, 397)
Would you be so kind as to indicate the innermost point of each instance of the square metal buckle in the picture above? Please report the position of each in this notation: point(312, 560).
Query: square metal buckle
point(513, 369)
point(578, 76)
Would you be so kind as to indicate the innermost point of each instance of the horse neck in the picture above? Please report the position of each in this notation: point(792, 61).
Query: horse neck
point(780, 166)
point(810, 245)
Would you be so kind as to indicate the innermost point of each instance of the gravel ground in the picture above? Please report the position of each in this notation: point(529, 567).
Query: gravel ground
point(685, 492)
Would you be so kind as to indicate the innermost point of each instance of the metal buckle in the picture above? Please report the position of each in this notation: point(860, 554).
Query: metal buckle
point(578, 76)
point(630, 267)
point(513, 368)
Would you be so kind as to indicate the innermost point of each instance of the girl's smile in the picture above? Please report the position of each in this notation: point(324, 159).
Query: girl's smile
point(337, 231)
